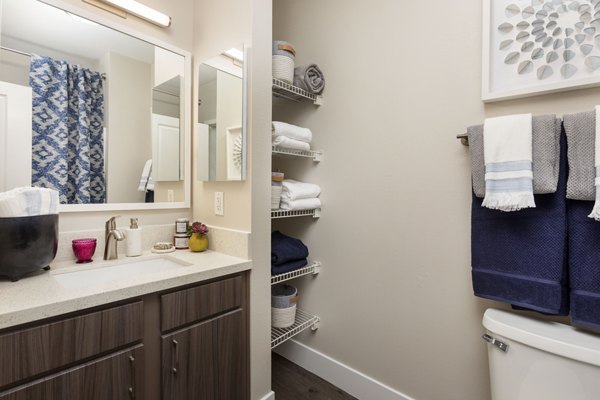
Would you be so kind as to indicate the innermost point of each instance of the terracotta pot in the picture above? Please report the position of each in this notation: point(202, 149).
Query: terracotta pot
point(198, 242)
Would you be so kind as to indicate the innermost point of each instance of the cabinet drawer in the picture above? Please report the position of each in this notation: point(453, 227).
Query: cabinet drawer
point(115, 377)
point(200, 302)
point(34, 351)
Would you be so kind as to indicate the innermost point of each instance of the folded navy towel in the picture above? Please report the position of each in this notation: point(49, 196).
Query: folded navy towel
point(285, 249)
point(584, 264)
point(288, 266)
point(520, 258)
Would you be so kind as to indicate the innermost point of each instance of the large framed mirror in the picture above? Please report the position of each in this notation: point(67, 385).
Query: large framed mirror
point(98, 112)
point(221, 130)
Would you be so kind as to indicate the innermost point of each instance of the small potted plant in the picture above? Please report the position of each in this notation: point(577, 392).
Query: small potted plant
point(198, 239)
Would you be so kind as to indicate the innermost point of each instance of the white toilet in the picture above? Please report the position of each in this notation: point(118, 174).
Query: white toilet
point(531, 359)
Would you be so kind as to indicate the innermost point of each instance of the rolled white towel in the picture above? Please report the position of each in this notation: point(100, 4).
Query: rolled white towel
point(28, 202)
point(287, 143)
point(301, 204)
point(292, 131)
point(294, 190)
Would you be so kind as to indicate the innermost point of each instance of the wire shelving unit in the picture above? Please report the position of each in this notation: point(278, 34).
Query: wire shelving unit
point(316, 155)
point(312, 268)
point(278, 214)
point(303, 321)
point(294, 93)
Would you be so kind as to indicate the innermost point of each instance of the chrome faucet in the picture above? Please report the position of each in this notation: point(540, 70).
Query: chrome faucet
point(111, 235)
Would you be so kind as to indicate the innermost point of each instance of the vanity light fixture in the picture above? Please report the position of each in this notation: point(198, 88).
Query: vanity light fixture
point(142, 11)
point(236, 54)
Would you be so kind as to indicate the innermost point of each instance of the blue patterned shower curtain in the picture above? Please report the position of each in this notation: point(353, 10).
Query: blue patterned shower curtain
point(68, 130)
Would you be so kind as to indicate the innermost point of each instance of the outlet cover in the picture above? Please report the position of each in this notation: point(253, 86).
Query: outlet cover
point(219, 204)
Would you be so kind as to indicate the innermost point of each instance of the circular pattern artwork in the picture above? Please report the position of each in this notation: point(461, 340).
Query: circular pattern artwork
point(545, 36)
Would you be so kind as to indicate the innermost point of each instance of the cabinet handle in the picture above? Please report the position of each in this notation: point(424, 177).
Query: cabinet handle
point(176, 344)
point(132, 363)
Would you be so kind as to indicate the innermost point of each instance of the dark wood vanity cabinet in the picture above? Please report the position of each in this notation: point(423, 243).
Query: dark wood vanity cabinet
point(206, 359)
point(109, 378)
point(188, 343)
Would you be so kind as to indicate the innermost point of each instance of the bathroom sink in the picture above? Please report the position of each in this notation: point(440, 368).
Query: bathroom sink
point(110, 272)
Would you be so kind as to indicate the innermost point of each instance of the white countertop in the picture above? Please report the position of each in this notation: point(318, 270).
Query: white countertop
point(41, 295)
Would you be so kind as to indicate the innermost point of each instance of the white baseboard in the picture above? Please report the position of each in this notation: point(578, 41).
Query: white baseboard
point(344, 377)
point(269, 396)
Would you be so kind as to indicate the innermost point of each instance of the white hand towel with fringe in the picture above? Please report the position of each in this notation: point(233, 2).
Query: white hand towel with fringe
point(596, 211)
point(507, 148)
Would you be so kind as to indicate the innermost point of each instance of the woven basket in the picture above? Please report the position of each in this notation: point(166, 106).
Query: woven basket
point(283, 68)
point(283, 317)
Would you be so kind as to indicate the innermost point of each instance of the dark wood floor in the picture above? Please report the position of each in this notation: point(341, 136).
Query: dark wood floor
point(290, 382)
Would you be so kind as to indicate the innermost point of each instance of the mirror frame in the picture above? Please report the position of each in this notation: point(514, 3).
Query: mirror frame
point(86, 11)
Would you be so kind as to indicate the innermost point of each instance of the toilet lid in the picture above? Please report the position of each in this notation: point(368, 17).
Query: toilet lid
point(552, 337)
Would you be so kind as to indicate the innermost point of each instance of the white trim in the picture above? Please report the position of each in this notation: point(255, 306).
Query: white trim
point(269, 396)
point(344, 377)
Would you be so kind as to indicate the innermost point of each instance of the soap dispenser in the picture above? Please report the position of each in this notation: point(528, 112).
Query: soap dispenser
point(133, 237)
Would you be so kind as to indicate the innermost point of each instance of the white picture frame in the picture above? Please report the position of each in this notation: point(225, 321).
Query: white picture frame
point(501, 80)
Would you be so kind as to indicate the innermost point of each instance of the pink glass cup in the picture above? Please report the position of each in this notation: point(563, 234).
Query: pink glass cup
point(84, 250)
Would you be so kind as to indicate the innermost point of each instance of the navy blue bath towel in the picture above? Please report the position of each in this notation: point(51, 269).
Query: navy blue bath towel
point(285, 249)
point(584, 264)
point(520, 257)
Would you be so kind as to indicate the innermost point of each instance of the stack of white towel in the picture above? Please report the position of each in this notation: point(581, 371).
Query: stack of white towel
point(291, 136)
point(28, 202)
point(300, 196)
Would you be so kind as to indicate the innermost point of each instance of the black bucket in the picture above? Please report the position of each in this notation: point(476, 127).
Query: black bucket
point(27, 244)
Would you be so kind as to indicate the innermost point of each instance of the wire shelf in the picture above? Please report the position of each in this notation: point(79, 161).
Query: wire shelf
point(313, 268)
point(277, 214)
point(316, 155)
point(303, 321)
point(294, 93)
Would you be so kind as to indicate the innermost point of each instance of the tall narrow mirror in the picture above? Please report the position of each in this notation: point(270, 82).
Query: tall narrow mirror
point(102, 113)
point(221, 145)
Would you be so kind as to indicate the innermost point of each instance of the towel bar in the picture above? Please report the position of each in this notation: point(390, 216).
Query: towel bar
point(464, 138)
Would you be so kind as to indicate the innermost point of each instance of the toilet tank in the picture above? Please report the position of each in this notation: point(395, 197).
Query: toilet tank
point(531, 359)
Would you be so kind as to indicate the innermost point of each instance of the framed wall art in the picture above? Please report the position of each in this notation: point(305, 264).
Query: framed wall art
point(532, 47)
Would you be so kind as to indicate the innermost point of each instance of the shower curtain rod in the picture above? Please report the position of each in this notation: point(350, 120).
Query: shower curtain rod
point(103, 75)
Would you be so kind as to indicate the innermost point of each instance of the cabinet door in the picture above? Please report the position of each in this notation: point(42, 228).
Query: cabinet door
point(206, 361)
point(109, 378)
point(187, 359)
point(231, 361)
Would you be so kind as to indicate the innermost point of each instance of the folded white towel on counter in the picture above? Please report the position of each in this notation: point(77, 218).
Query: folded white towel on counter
point(301, 204)
point(28, 202)
point(294, 190)
point(288, 143)
point(292, 131)
point(596, 210)
point(507, 148)
point(146, 182)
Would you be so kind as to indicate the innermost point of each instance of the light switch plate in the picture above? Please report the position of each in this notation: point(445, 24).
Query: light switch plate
point(219, 205)
point(170, 196)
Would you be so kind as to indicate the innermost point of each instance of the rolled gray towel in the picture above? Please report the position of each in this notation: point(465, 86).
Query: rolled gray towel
point(310, 78)
point(546, 155)
point(581, 138)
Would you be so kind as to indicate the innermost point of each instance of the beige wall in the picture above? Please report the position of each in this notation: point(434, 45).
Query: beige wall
point(403, 79)
point(220, 25)
point(180, 35)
